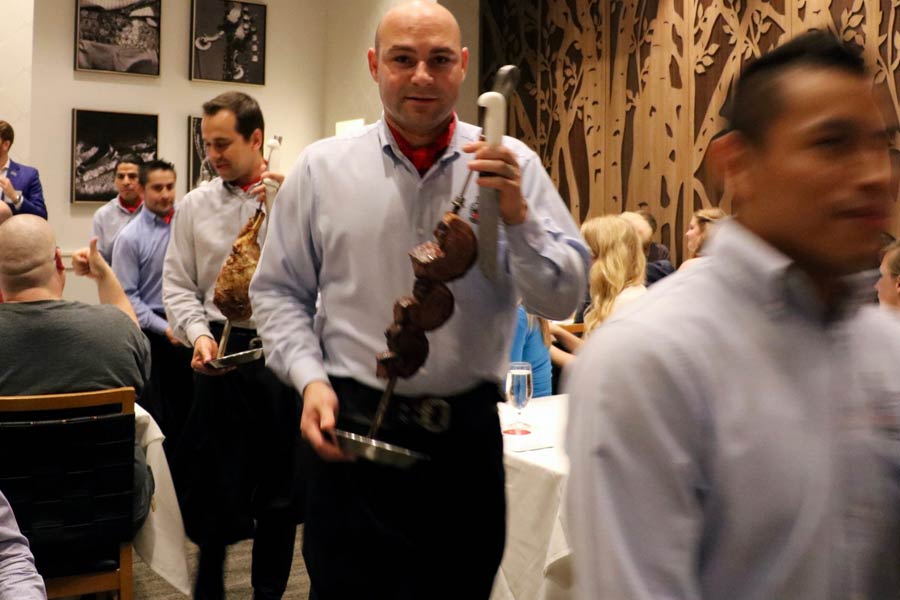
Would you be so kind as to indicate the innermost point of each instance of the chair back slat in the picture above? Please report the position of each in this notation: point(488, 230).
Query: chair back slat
point(123, 397)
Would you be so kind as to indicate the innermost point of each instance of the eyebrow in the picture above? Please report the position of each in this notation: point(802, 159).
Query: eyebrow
point(440, 50)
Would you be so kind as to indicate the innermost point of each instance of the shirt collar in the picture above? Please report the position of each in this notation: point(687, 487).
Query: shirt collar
point(389, 143)
point(774, 279)
point(129, 210)
point(151, 217)
point(5, 167)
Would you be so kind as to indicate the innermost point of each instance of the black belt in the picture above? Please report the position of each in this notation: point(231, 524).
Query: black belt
point(415, 421)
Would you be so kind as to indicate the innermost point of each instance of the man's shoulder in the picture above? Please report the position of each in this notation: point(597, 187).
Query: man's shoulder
point(21, 169)
point(336, 146)
point(199, 198)
point(677, 314)
point(129, 232)
point(880, 326)
point(106, 208)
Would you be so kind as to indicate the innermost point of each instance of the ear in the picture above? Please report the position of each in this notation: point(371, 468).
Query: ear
point(59, 261)
point(735, 155)
point(256, 139)
point(464, 62)
point(372, 58)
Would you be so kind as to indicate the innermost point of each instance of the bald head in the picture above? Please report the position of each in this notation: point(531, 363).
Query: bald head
point(416, 17)
point(27, 254)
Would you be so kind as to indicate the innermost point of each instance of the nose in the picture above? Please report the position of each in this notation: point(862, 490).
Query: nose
point(874, 172)
point(421, 76)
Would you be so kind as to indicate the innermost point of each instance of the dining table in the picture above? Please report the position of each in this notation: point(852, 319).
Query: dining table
point(537, 561)
point(160, 542)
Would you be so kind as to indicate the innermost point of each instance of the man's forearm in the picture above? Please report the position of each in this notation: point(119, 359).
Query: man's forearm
point(110, 291)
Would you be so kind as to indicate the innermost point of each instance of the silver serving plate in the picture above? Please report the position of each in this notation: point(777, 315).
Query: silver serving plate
point(239, 358)
point(377, 451)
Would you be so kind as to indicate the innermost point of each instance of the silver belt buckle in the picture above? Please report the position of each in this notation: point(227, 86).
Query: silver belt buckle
point(433, 415)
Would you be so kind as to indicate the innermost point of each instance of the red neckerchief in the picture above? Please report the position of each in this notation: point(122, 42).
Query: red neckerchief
point(131, 209)
point(423, 157)
point(168, 218)
point(247, 187)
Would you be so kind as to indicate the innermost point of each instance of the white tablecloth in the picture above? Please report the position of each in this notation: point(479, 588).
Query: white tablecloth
point(161, 540)
point(536, 563)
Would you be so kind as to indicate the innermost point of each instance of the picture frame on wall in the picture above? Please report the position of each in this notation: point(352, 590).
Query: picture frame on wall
point(228, 41)
point(118, 36)
point(199, 170)
point(99, 140)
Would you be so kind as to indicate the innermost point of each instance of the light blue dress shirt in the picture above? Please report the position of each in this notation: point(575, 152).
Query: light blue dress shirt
point(730, 440)
point(108, 222)
point(342, 226)
point(138, 257)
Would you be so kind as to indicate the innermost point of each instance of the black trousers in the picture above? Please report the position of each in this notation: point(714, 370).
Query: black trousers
point(435, 530)
point(238, 472)
point(170, 392)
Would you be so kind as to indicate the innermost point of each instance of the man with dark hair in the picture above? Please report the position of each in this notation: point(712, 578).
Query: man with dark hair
point(235, 466)
point(118, 212)
point(751, 450)
point(20, 185)
point(138, 263)
point(349, 213)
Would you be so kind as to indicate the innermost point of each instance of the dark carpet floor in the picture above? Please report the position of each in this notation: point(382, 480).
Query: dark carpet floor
point(149, 586)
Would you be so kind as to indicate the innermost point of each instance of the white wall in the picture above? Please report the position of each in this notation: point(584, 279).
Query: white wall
point(349, 90)
point(316, 75)
point(15, 84)
point(291, 99)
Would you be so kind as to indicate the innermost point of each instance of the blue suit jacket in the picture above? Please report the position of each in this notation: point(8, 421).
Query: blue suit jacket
point(26, 180)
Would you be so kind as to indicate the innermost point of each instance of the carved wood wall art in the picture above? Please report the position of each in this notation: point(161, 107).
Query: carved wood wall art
point(621, 98)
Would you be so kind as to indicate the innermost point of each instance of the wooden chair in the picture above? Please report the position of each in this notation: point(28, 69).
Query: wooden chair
point(70, 486)
point(576, 328)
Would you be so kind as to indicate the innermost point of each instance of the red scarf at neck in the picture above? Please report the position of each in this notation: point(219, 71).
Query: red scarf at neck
point(424, 157)
point(131, 209)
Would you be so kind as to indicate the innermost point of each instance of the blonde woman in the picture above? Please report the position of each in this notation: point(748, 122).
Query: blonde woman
point(698, 230)
point(616, 276)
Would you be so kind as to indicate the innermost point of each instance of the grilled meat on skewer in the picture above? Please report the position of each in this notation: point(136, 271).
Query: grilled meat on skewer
point(232, 293)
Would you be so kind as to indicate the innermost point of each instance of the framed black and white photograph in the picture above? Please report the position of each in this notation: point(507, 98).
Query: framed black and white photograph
point(118, 36)
point(99, 140)
point(199, 170)
point(228, 41)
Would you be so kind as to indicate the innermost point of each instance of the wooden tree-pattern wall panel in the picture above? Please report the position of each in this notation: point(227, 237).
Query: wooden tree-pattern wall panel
point(621, 98)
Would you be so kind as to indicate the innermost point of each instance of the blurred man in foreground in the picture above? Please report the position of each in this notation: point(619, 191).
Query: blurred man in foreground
point(750, 450)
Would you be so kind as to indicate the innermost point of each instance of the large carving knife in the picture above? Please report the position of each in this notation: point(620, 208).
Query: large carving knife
point(494, 103)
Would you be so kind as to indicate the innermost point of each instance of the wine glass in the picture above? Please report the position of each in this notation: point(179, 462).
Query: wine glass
point(518, 393)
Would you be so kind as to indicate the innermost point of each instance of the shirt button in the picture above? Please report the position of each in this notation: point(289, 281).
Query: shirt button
point(420, 231)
